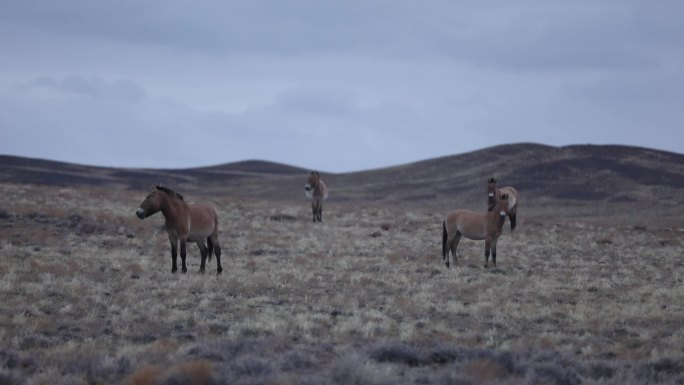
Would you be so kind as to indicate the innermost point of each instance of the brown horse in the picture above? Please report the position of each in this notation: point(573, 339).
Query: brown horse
point(318, 192)
point(475, 226)
point(184, 223)
point(494, 195)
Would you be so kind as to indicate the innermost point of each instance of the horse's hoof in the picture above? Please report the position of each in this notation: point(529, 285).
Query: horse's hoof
point(446, 264)
point(184, 271)
point(201, 271)
point(218, 272)
point(173, 271)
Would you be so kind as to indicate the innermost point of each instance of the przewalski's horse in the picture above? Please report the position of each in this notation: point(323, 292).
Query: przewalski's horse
point(184, 223)
point(494, 194)
point(475, 226)
point(318, 192)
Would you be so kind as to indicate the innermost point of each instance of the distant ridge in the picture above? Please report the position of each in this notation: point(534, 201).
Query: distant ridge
point(14, 169)
point(607, 173)
point(578, 172)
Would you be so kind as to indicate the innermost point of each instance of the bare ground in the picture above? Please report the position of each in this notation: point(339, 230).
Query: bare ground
point(88, 296)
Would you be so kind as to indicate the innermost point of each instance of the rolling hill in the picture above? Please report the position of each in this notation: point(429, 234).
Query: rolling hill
point(604, 173)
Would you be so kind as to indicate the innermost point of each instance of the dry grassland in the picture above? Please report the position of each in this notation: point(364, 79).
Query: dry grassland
point(87, 297)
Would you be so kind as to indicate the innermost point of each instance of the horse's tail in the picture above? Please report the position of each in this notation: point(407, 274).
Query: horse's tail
point(210, 248)
point(444, 240)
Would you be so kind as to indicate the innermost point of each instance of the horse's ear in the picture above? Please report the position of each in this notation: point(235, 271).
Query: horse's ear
point(491, 180)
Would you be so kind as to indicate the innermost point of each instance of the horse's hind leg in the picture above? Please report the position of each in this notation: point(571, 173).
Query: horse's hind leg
point(454, 245)
point(183, 248)
point(445, 238)
point(174, 253)
point(203, 253)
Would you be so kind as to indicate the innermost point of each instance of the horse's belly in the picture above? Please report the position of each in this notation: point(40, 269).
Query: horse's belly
point(473, 236)
point(474, 231)
point(199, 233)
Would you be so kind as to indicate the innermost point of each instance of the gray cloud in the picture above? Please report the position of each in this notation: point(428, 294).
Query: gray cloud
point(124, 90)
point(333, 85)
point(525, 34)
point(322, 102)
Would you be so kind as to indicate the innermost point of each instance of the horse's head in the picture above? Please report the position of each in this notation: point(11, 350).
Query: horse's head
point(314, 177)
point(491, 194)
point(152, 203)
point(503, 207)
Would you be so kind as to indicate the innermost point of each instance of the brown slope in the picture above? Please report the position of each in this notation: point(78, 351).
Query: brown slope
point(583, 172)
point(46, 172)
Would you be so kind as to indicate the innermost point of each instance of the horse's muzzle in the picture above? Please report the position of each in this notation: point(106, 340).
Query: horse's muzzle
point(307, 187)
point(502, 214)
point(140, 213)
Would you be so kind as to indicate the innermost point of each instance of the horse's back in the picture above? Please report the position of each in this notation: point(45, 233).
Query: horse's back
point(469, 223)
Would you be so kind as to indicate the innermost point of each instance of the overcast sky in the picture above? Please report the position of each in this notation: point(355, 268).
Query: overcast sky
point(333, 85)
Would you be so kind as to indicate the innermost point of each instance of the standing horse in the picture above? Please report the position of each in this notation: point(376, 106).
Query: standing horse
point(475, 226)
point(184, 223)
point(317, 192)
point(494, 195)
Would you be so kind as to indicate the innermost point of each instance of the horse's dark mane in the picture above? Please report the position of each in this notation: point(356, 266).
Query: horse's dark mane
point(170, 192)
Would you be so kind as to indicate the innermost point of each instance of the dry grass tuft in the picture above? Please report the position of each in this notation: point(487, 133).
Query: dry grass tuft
point(189, 373)
point(147, 375)
point(89, 298)
point(484, 370)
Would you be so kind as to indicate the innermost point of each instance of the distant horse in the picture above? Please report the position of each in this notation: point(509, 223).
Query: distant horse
point(317, 192)
point(184, 223)
point(475, 226)
point(494, 194)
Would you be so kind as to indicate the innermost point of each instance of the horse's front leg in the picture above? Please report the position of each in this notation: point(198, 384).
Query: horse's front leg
point(488, 244)
point(314, 209)
point(174, 253)
point(494, 242)
point(183, 247)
